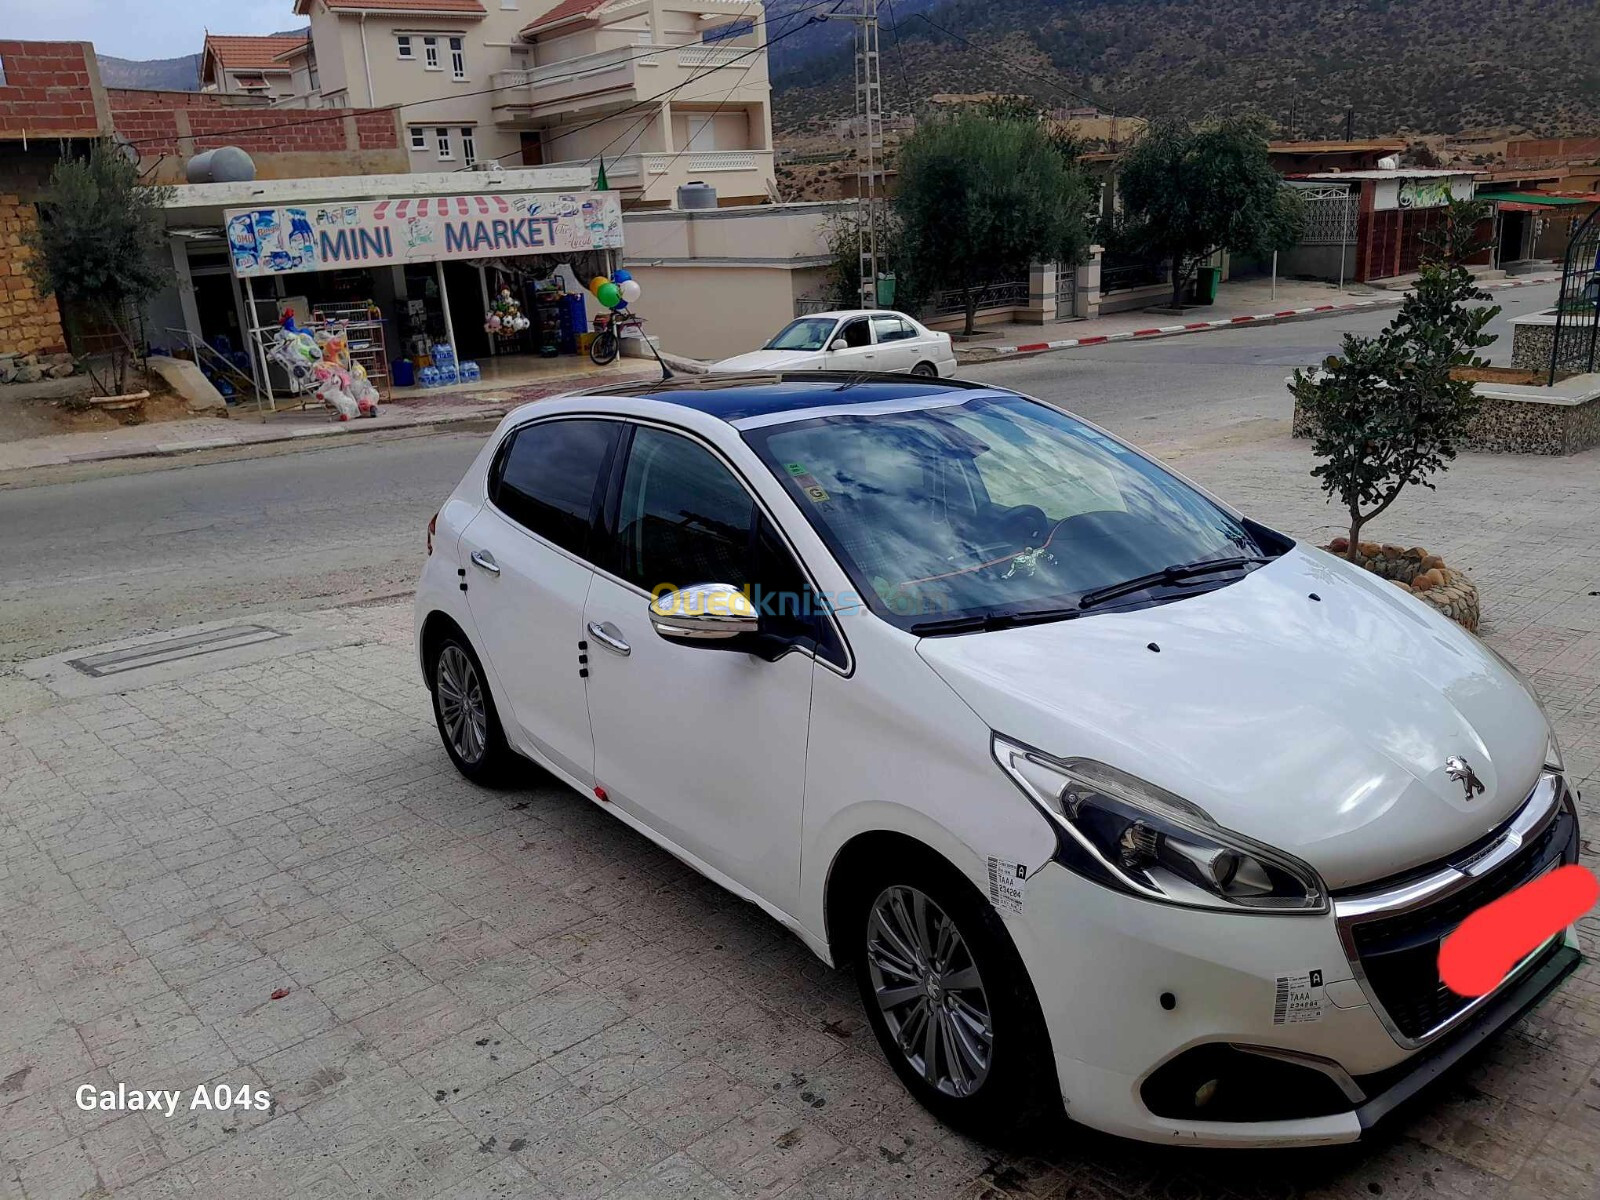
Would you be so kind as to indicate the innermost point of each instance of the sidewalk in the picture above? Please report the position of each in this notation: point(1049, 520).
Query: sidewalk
point(1246, 303)
point(409, 410)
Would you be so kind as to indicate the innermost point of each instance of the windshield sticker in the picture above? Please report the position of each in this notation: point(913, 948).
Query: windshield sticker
point(1006, 884)
point(796, 468)
point(1297, 999)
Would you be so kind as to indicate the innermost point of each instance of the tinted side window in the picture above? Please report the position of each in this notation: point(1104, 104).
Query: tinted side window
point(546, 479)
point(684, 518)
point(891, 329)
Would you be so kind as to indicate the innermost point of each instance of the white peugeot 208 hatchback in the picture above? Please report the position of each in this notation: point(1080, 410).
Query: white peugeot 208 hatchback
point(1112, 798)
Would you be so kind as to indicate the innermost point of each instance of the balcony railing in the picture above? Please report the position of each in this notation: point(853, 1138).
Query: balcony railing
point(630, 170)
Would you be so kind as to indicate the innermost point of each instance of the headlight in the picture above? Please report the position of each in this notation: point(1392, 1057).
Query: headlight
point(1132, 835)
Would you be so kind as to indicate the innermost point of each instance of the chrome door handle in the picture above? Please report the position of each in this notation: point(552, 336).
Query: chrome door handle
point(482, 558)
point(608, 636)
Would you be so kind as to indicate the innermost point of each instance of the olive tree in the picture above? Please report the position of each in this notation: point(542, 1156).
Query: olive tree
point(982, 197)
point(99, 248)
point(1189, 192)
point(1389, 410)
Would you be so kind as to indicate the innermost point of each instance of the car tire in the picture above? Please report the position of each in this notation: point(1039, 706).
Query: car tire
point(925, 370)
point(464, 710)
point(1011, 1096)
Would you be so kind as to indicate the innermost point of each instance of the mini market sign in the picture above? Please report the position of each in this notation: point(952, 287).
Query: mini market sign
point(291, 239)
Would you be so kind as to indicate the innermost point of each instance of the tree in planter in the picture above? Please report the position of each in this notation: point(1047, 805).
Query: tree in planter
point(1190, 192)
point(1388, 411)
point(981, 198)
point(98, 248)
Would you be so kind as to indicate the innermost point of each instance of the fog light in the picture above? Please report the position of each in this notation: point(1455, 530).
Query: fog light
point(1205, 1093)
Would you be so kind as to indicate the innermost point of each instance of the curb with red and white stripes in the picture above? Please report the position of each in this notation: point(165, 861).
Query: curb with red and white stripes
point(984, 353)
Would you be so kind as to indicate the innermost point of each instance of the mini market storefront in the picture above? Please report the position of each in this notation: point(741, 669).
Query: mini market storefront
point(477, 268)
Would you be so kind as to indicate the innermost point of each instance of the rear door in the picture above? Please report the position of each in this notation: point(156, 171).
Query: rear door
point(527, 577)
point(897, 351)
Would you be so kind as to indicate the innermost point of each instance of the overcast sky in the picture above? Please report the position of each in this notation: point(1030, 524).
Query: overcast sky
point(143, 28)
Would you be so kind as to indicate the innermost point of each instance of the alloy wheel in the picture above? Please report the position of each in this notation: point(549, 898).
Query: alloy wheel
point(461, 706)
point(927, 986)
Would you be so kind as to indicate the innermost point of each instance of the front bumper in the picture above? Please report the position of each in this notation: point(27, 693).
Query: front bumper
point(1143, 1002)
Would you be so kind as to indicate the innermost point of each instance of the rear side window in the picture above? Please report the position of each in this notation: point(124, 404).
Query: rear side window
point(892, 329)
point(547, 476)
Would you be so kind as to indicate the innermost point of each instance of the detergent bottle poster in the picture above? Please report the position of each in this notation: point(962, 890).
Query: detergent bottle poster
point(329, 237)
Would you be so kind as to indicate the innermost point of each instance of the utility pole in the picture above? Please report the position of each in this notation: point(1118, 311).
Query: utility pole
point(869, 133)
point(869, 107)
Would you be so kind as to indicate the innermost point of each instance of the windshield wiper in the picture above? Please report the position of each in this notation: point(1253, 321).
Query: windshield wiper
point(1173, 574)
point(992, 621)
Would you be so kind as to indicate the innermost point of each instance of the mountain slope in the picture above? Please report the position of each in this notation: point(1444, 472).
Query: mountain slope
point(1430, 65)
point(172, 74)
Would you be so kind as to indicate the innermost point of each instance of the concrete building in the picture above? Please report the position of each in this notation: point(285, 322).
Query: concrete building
point(665, 92)
point(250, 66)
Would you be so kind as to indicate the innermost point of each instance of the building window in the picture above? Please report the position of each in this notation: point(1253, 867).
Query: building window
point(430, 53)
point(443, 135)
point(403, 46)
point(509, 5)
point(419, 137)
point(469, 145)
point(458, 58)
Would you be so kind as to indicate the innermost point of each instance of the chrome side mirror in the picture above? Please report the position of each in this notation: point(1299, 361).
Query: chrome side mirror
point(704, 612)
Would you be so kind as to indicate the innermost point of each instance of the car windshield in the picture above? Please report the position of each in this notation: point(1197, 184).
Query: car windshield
point(808, 333)
point(998, 507)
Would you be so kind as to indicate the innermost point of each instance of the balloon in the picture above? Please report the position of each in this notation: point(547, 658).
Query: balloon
point(630, 290)
point(608, 294)
point(621, 276)
point(598, 282)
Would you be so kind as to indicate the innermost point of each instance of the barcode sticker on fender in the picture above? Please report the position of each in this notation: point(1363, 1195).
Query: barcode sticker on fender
point(1006, 880)
point(1297, 999)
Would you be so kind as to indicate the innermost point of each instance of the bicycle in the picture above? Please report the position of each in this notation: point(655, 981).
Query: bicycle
point(607, 343)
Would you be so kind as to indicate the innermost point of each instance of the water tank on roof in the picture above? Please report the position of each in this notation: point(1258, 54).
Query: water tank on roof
point(225, 164)
point(1389, 162)
point(697, 195)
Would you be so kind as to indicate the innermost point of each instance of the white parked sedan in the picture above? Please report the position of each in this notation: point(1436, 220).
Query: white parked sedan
point(1115, 800)
point(851, 340)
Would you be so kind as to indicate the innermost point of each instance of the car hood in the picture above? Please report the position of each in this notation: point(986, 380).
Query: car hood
point(1310, 706)
point(770, 360)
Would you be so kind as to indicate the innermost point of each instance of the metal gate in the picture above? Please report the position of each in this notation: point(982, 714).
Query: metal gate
point(1066, 291)
point(1578, 311)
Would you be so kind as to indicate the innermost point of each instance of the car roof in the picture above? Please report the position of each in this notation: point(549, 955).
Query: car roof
point(739, 397)
point(836, 313)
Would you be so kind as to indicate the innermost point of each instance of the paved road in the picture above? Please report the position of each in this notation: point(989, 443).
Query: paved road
point(99, 558)
point(84, 562)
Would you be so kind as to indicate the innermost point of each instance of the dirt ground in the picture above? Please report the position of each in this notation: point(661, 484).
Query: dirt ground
point(61, 406)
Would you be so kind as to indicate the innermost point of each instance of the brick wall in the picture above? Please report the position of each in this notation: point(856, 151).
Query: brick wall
point(52, 90)
point(28, 324)
point(286, 143)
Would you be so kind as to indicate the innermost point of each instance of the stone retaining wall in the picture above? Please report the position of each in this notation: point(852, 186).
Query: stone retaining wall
point(1516, 427)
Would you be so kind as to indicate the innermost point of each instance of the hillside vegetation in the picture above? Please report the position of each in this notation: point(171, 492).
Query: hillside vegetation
point(1439, 66)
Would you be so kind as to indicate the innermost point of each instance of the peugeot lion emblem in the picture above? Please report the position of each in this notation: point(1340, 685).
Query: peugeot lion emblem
point(1461, 771)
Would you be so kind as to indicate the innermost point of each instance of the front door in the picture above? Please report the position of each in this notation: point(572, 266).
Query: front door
point(527, 579)
point(859, 353)
point(705, 746)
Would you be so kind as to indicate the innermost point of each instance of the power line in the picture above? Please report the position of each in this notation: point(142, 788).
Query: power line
point(900, 55)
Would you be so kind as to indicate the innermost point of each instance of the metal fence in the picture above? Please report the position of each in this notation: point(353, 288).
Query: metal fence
point(1010, 294)
point(1119, 276)
point(1576, 338)
point(1331, 216)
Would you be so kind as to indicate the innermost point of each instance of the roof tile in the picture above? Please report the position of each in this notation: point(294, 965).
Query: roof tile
point(563, 11)
point(251, 53)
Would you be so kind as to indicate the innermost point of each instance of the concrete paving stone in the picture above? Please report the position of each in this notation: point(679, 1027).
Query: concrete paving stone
point(765, 1150)
point(459, 1066)
point(561, 1016)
